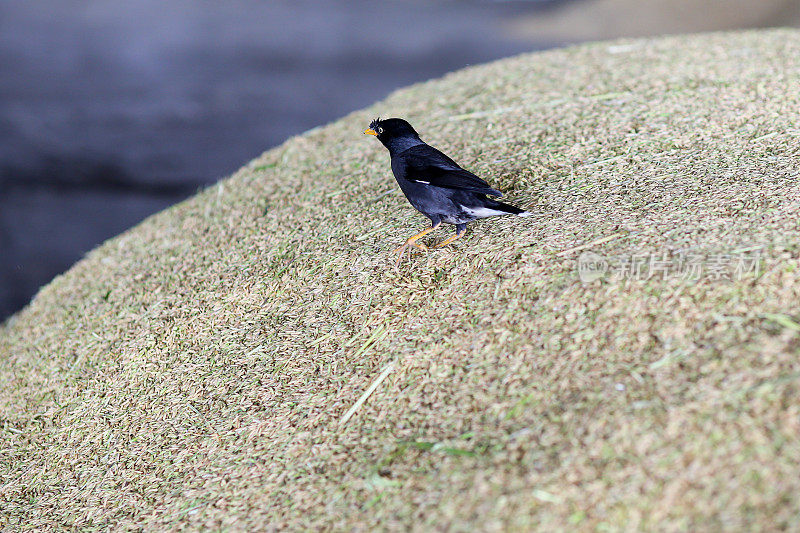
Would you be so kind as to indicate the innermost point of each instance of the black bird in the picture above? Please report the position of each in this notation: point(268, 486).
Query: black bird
point(434, 184)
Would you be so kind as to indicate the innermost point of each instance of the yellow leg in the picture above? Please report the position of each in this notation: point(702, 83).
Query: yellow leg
point(450, 239)
point(412, 241)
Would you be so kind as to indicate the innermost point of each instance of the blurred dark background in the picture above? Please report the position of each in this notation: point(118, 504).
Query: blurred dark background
point(112, 110)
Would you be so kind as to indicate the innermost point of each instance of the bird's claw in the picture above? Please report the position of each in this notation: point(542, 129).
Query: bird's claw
point(406, 248)
point(409, 243)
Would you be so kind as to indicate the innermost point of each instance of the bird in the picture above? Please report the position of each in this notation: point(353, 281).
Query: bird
point(435, 185)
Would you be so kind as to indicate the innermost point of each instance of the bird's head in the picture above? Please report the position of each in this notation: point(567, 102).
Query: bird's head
point(393, 131)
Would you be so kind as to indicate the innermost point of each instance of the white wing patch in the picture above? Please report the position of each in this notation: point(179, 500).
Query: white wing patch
point(483, 212)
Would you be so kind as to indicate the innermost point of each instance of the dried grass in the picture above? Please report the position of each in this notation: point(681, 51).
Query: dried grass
point(193, 372)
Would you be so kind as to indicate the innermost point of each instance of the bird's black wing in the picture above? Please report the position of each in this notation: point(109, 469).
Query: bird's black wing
point(425, 164)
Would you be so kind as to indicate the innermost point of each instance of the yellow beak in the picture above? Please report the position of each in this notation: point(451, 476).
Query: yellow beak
point(370, 131)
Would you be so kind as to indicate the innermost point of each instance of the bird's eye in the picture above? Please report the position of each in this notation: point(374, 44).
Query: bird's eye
point(380, 130)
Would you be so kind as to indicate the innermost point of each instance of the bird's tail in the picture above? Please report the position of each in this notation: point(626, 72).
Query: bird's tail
point(508, 208)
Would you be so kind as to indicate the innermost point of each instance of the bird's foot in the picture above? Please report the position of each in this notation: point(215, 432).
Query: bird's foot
point(411, 242)
point(405, 249)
